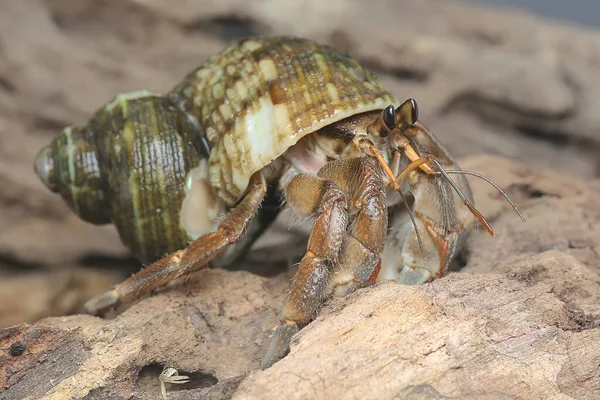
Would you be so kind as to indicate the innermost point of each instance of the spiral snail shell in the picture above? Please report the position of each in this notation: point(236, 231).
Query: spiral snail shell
point(134, 164)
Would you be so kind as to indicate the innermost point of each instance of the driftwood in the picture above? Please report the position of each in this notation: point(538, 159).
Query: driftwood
point(519, 315)
point(521, 319)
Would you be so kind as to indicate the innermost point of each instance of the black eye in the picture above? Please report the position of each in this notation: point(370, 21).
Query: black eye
point(389, 117)
point(407, 114)
point(415, 110)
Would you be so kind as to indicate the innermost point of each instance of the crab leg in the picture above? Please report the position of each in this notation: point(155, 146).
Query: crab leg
point(437, 213)
point(309, 195)
point(360, 255)
point(409, 262)
point(192, 258)
point(421, 162)
point(360, 249)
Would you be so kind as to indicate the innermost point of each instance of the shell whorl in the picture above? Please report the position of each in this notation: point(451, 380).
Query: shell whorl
point(69, 166)
point(129, 165)
point(260, 96)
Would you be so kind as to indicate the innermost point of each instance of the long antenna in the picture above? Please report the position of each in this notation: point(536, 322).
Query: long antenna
point(462, 196)
point(491, 182)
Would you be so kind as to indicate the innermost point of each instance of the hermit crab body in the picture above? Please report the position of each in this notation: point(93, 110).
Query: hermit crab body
point(268, 118)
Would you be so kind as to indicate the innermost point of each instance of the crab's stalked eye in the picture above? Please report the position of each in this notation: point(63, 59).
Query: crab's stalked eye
point(389, 117)
point(408, 113)
point(415, 110)
point(384, 124)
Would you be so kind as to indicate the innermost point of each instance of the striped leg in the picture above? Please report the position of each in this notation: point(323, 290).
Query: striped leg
point(197, 255)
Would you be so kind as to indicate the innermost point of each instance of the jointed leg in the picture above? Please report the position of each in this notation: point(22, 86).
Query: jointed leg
point(405, 259)
point(192, 258)
point(330, 244)
point(360, 255)
point(409, 257)
point(308, 195)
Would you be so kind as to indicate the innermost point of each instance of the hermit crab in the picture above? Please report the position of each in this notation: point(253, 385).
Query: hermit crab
point(200, 172)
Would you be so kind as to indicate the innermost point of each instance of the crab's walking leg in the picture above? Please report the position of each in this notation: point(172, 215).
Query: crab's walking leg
point(308, 195)
point(192, 258)
point(360, 255)
point(359, 251)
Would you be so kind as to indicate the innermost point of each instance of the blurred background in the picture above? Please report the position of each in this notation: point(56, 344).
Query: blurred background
point(520, 79)
point(585, 12)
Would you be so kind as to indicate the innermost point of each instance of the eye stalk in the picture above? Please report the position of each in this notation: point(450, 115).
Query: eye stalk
point(407, 113)
point(389, 117)
point(384, 124)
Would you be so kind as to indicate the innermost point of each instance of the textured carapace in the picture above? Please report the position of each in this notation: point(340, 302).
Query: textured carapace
point(260, 96)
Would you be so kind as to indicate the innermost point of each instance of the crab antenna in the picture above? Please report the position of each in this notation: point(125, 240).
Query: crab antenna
point(491, 182)
point(462, 196)
point(411, 215)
